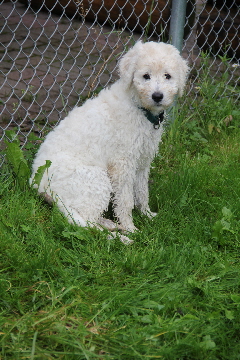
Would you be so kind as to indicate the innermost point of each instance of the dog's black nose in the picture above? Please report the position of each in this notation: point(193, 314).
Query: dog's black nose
point(157, 96)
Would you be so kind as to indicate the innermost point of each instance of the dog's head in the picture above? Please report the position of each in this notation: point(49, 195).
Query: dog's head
point(155, 72)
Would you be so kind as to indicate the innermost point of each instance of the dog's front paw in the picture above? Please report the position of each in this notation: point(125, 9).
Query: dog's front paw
point(149, 213)
point(127, 225)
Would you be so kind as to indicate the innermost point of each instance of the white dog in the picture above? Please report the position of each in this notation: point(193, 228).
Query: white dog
point(102, 151)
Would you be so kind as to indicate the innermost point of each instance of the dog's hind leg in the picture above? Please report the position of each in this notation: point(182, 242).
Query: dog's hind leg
point(72, 214)
point(82, 194)
point(109, 225)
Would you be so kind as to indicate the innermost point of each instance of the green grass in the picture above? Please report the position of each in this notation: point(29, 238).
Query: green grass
point(71, 293)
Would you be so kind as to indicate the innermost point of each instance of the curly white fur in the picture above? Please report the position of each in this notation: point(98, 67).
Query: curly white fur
point(103, 149)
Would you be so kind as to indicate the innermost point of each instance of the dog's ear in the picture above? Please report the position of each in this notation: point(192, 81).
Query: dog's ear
point(127, 63)
point(183, 74)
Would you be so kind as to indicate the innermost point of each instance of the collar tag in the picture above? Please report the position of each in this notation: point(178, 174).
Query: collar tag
point(156, 120)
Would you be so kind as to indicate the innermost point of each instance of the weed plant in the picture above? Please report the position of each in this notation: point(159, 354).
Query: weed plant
point(71, 293)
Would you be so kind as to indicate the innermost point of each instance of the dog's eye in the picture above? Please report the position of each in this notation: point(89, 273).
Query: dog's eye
point(146, 77)
point(167, 76)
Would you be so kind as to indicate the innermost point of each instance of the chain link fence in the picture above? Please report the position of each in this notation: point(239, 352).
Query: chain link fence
point(57, 53)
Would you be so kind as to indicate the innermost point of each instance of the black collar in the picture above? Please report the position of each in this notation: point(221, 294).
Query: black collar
point(156, 120)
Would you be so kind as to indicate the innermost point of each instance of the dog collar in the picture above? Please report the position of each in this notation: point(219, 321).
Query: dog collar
point(156, 120)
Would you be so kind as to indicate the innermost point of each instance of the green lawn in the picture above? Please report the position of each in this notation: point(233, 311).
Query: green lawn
point(71, 293)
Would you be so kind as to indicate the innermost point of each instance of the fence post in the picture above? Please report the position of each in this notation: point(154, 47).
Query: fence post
point(177, 22)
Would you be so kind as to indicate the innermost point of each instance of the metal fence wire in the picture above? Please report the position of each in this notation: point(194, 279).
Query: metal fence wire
point(56, 53)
